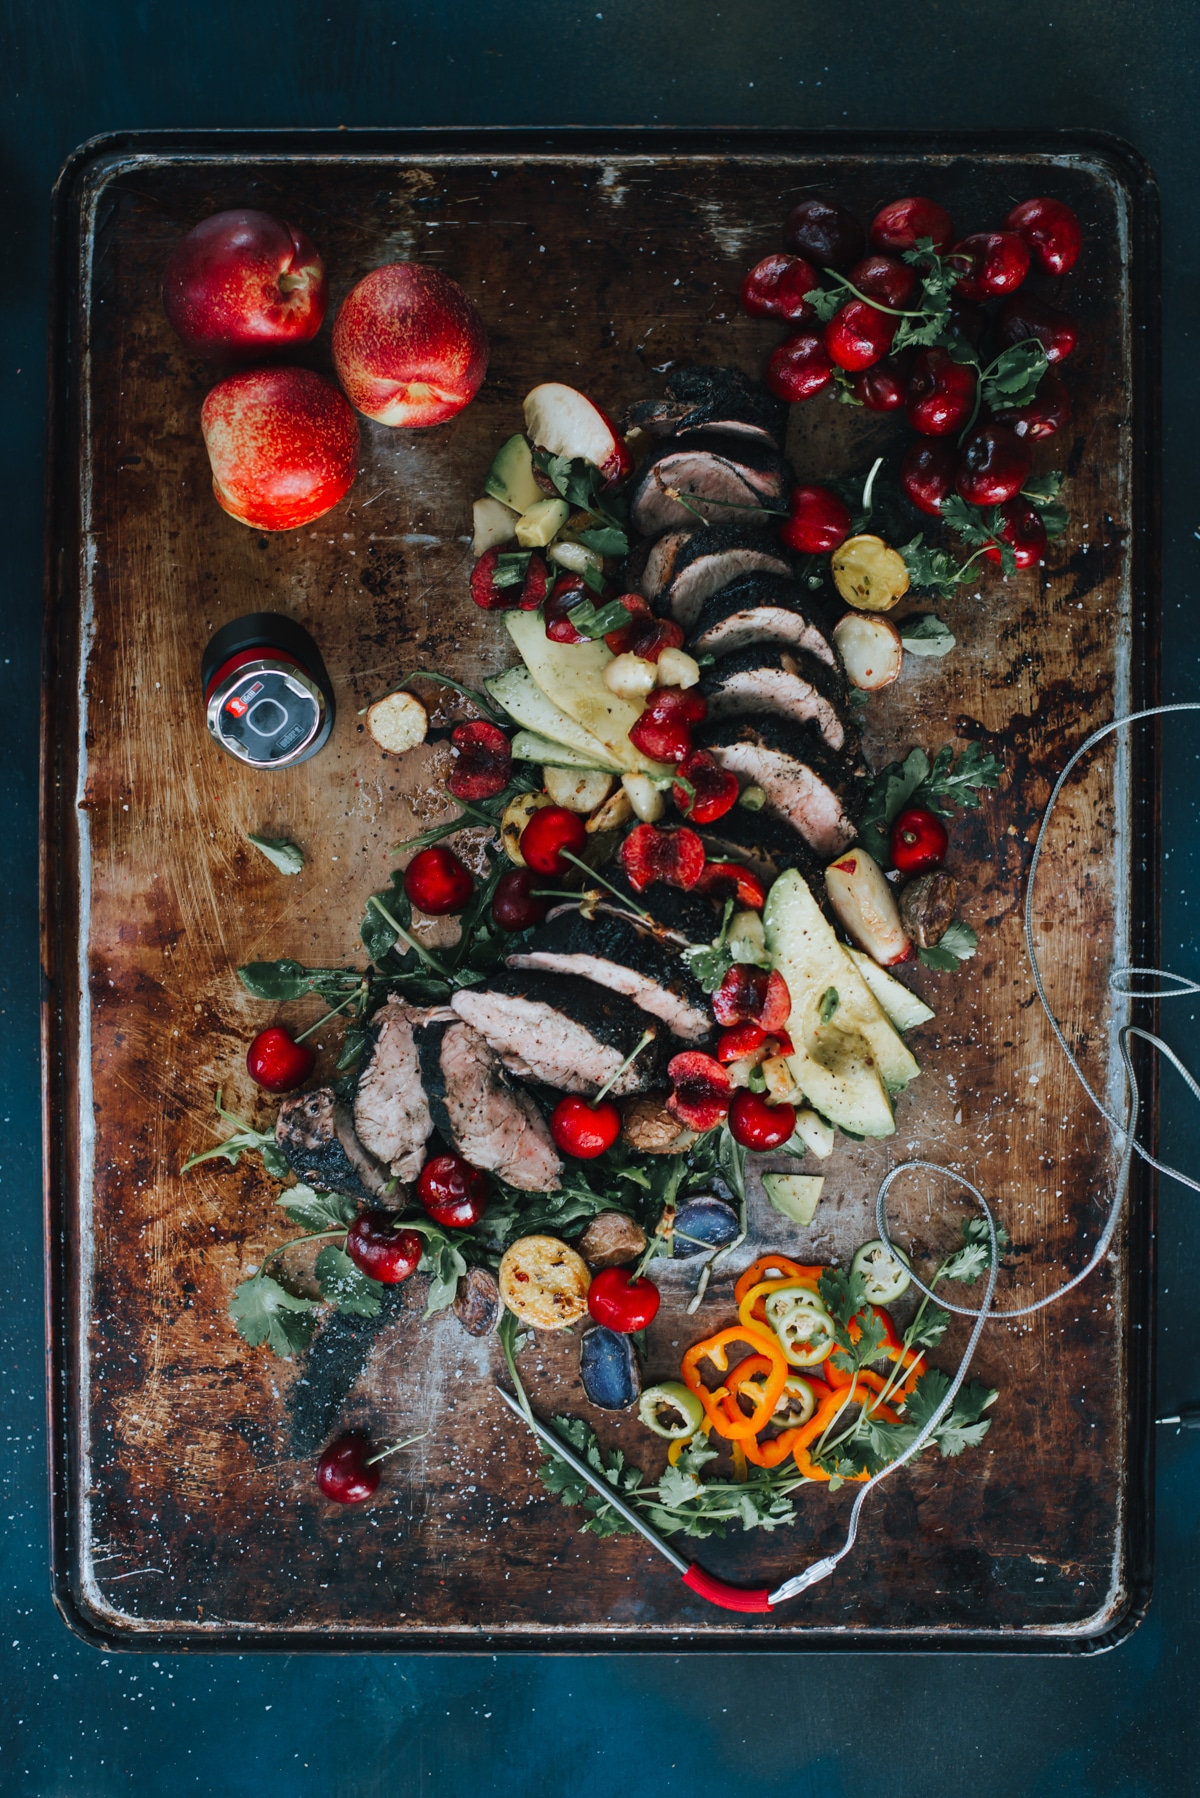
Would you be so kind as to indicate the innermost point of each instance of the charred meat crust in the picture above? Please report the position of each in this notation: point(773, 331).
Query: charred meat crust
point(701, 397)
point(783, 682)
point(762, 608)
point(479, 1111)
point(563, 1031)
point(723, 479)
point(819, 794)
point(316, 1132)
point(682, 570)
point(763, 843)
point(620, 956)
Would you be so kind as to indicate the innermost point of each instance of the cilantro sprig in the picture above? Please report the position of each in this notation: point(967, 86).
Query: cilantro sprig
point(940, 786)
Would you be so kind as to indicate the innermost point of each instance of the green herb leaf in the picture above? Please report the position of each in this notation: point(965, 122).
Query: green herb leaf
point(263, 1311)
point(606, 540)
point(731, 1158)
point(962, 1426)
point(235, 1146)
point(950, 783)
point(593, 621)
point(443, 1260)
point(927, 636)
point(829, 1004)
point(1012, 379)
point(933, 570)
point(511, 568)
point(825, 301)
point(1040, 489)
point(890, 792)
point(313, 1210)
point(279, 852)
point(932, 1327)
point(345, 1286)
point(958, 945)
point(975, 1229)
point(281, 980)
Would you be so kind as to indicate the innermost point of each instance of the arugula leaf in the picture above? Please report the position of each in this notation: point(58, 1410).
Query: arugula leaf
point(443, 1260)
point(313, 1210)
point(606, 540)
point(731, 1158)
point(288, 979)
point(279, 852)
point(245, 1137)
point(1012, 379)
point(345, 1286)
point(957, 945)
point(263, 1311)
point(890, 792)
point(927, 636)
point(354, 1044)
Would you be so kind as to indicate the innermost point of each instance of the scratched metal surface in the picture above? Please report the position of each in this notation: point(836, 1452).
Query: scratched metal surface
point(185, 1506)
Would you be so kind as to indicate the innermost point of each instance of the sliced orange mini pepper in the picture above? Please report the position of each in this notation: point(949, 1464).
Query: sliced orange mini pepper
point(772, 1267)
point(775, 1449)
point(893, 1348)
point(713, 1349)
point(824, 1416)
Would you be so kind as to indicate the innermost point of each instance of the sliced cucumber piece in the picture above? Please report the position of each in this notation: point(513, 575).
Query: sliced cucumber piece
point(526, 704)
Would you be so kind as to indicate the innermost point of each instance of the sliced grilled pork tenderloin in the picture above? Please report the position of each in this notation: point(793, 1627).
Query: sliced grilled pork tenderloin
point(684, 569)
point(692, 916)
point(725, 480)
point(566, 1032)
point(761, 608)
point(477, 1108)
point(819, 794)
point(764, 843)
point(770, 680)
point(316, 1132)
point(704, 398)
point(625, 959)
point(391, 1115)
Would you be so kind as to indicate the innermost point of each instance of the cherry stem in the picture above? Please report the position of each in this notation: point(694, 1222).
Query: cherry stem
point(868, 486)
point(685, 500)
point(352, 1000)
point(424, 954)
point(293, 1241)
point(395, 1448)
point(594, 875)
point(892, 311)
point(476, 699)
point(647, 1037)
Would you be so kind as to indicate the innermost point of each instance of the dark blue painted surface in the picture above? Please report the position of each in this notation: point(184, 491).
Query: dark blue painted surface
point(72, 1720)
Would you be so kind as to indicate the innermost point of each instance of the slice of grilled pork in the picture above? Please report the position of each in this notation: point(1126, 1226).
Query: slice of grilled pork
point(391, 1116)
point(619, 956)
point(478, 1109)
point(705, 398)
point(818, 794)
point(316, 1132)
point(683, 569)
point(566, 1032)
point(771, 680)
point(725, 480)
point(761, 608)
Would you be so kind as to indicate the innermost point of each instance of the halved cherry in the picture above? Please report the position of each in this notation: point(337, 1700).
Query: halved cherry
point(513, 904)
point(739, 1041)
point(276, 1062)
point(700, 1090)
point(799, 368)
point(551, 830)
point(759, 1126)
point(584, 1130)
point(674, 856)
point(776, 286)
point(637, 607)
point(820, 520)
point(648, 637)
point(623, 1300)
point(528, 593)
point(453, 1192)
point(711, 790)
point(380, 1250)
point(901, 224)
point(437, 883)
point(569, 591)
point(664, 730)
point(484, 763)
point(1050, 230)
point(730, 880)
point(752, 995)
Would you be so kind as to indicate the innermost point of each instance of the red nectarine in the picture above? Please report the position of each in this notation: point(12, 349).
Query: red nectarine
point(244, 283)
point(409, 347)
point(283, 445)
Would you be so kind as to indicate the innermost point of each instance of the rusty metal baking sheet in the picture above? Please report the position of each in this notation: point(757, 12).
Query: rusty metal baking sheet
point(185, 1508)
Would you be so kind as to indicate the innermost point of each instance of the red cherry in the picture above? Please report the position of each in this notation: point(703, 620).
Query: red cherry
point(638, 608)
point(884, 386)
point(824, 232)
point(820, 520)
point(941, 393)
point(858, 335)
point(927, 474)
point(1024, 317)
point(648, 637)
point(343, 1474)
point(714, 790)
point(277, 1062)
point(885, 279)
point(452, 1191)
point(776, 286)
point(700, 1090)
point(437, 883)
point(549, 831)
point(568, 592)
point(740, 1041)
point(919, 841)
point(513, 904)
point(584, 1130)
point(664, 730)
point(993, 262)
point(380, 1250)
point(1047, 412)
point(730, 880)
point(799, 368)
point(899, 225)
point(993, 466)
point(1050, 230)
point(483, 764)
point(674, 856)
point(528, 594)
point(1023, 530)
point(622, 1302)
point(756, 1125)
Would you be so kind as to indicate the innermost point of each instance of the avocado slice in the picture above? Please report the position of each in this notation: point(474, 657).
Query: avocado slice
point(510, 478)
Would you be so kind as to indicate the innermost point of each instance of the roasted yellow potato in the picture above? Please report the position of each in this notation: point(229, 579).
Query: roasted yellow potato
point(869, 574)
point(544, 1283)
